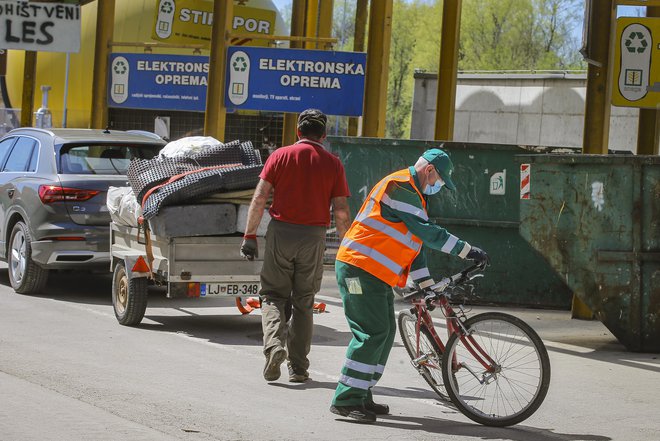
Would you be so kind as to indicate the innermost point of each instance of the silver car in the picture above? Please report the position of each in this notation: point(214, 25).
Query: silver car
point(53, 186)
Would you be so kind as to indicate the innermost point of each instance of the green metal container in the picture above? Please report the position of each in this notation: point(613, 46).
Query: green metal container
point(596, 219)
point(484, 211)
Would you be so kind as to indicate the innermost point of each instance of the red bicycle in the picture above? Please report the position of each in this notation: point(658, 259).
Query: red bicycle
point(494, 367)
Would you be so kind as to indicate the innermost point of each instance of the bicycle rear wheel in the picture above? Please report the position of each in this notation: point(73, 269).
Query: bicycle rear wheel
point(514, 387)
point(429, 368)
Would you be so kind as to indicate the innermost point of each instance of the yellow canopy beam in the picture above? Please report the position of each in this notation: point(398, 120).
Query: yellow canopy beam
point(105, 23)
point(648, 130)
point(448, 70)
point(289, 135)
point(378, 55)
point(361, 11)
point(29, 80)
point(597, 106)
point(216, 112)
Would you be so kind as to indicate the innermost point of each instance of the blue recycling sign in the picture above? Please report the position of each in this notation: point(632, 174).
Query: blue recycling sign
point(267, 79)
point(292, 80)
point(159, 82)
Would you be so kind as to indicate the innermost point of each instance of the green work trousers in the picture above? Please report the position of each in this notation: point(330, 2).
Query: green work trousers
point(292, 273)
point(369, 309)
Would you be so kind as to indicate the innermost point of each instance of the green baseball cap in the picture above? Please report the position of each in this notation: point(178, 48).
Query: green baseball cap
point(442, 164)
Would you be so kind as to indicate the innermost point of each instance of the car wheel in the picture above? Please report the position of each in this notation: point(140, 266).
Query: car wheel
point(129, 297)
point(25, 276)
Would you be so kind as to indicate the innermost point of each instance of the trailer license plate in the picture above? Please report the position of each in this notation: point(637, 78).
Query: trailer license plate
point(229, 289)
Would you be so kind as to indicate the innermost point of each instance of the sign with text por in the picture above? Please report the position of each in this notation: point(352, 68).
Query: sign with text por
point(191, 21)
point(159, 82)
point(292, 80)
point(637, 63)
point(37, 26)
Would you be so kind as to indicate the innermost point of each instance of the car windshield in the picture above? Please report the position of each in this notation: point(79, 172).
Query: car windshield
point(103, 159)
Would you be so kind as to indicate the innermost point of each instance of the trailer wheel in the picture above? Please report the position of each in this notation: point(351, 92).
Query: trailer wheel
point(129, 297)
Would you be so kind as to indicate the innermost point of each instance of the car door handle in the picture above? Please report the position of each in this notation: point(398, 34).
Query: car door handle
point(10, 192)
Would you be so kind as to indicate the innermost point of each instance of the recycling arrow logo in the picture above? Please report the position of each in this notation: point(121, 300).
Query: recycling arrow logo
point(120, 67)
point(239, 64)
point(636, 43)
point(166, 8)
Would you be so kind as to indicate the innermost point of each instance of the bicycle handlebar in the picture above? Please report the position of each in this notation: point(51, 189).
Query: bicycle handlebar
point(441, 286)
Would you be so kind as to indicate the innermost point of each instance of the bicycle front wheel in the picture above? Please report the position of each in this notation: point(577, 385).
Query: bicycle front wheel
point(428, 358)
point(498, 374)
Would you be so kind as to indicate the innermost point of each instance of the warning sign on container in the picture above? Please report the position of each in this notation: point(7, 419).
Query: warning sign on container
point(525, 177)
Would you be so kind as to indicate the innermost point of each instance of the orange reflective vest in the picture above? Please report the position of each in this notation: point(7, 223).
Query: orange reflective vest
point(382, 248)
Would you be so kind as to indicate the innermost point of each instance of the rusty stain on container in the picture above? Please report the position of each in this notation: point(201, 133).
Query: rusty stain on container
point(607, 249)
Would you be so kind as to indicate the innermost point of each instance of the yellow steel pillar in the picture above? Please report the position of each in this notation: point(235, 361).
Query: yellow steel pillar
point(216, 112)
point(597, 107)
point(289, 135)
point(358, 46)
point(445, 102)
point(648, 131)
point(105, 23)
point(312, 23)
point(29, 79)
point(378, 55)
point(326, 8)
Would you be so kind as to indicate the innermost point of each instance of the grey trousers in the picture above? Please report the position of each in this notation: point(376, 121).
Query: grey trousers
point(292, 272)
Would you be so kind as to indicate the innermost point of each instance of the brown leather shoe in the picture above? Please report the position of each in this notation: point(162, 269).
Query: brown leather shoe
point(297, 375)
point(274, 360)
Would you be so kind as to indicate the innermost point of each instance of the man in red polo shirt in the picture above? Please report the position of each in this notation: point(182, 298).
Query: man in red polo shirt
point(306, 181)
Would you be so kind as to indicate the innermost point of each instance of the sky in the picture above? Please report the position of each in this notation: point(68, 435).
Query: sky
point(281, 4)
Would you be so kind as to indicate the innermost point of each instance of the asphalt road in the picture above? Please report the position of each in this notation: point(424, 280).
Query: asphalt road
point(193, 371)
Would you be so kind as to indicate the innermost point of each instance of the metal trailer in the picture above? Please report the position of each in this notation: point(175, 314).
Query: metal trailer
point(205, 266)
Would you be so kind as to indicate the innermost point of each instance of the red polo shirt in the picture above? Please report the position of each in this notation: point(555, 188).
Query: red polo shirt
point(305, 178)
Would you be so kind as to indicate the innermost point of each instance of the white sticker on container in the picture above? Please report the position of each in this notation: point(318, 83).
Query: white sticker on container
point(498, 183)
point(598, 195)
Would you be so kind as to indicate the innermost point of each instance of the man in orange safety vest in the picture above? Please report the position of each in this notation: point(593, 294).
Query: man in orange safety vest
point(381, 249)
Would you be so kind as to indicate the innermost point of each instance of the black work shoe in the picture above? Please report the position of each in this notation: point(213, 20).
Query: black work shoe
point(358, 413)
point(274, 359)
point(378, 409)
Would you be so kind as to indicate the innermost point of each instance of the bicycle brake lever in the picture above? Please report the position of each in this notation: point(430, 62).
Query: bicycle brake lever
point(441, 285)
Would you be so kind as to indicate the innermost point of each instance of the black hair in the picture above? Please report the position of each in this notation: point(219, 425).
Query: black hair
point(311, 123)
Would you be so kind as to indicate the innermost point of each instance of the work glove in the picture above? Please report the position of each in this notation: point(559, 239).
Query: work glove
point(478, 255)
point(249, 248)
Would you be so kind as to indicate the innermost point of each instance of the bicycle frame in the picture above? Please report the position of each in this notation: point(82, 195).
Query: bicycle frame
point(454, 325)
point(492, 366)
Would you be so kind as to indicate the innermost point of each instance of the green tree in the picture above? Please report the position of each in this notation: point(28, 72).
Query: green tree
point(415, 39)
point(498, 35)
point(343, 24)
point(495, 35)
point(518, 34)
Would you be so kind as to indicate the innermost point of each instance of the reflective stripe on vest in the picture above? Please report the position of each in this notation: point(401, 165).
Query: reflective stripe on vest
point(370, 252)
point(406, 208)
point(382, 248)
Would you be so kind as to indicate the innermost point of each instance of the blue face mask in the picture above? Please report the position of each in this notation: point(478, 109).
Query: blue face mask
point(433, 189)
